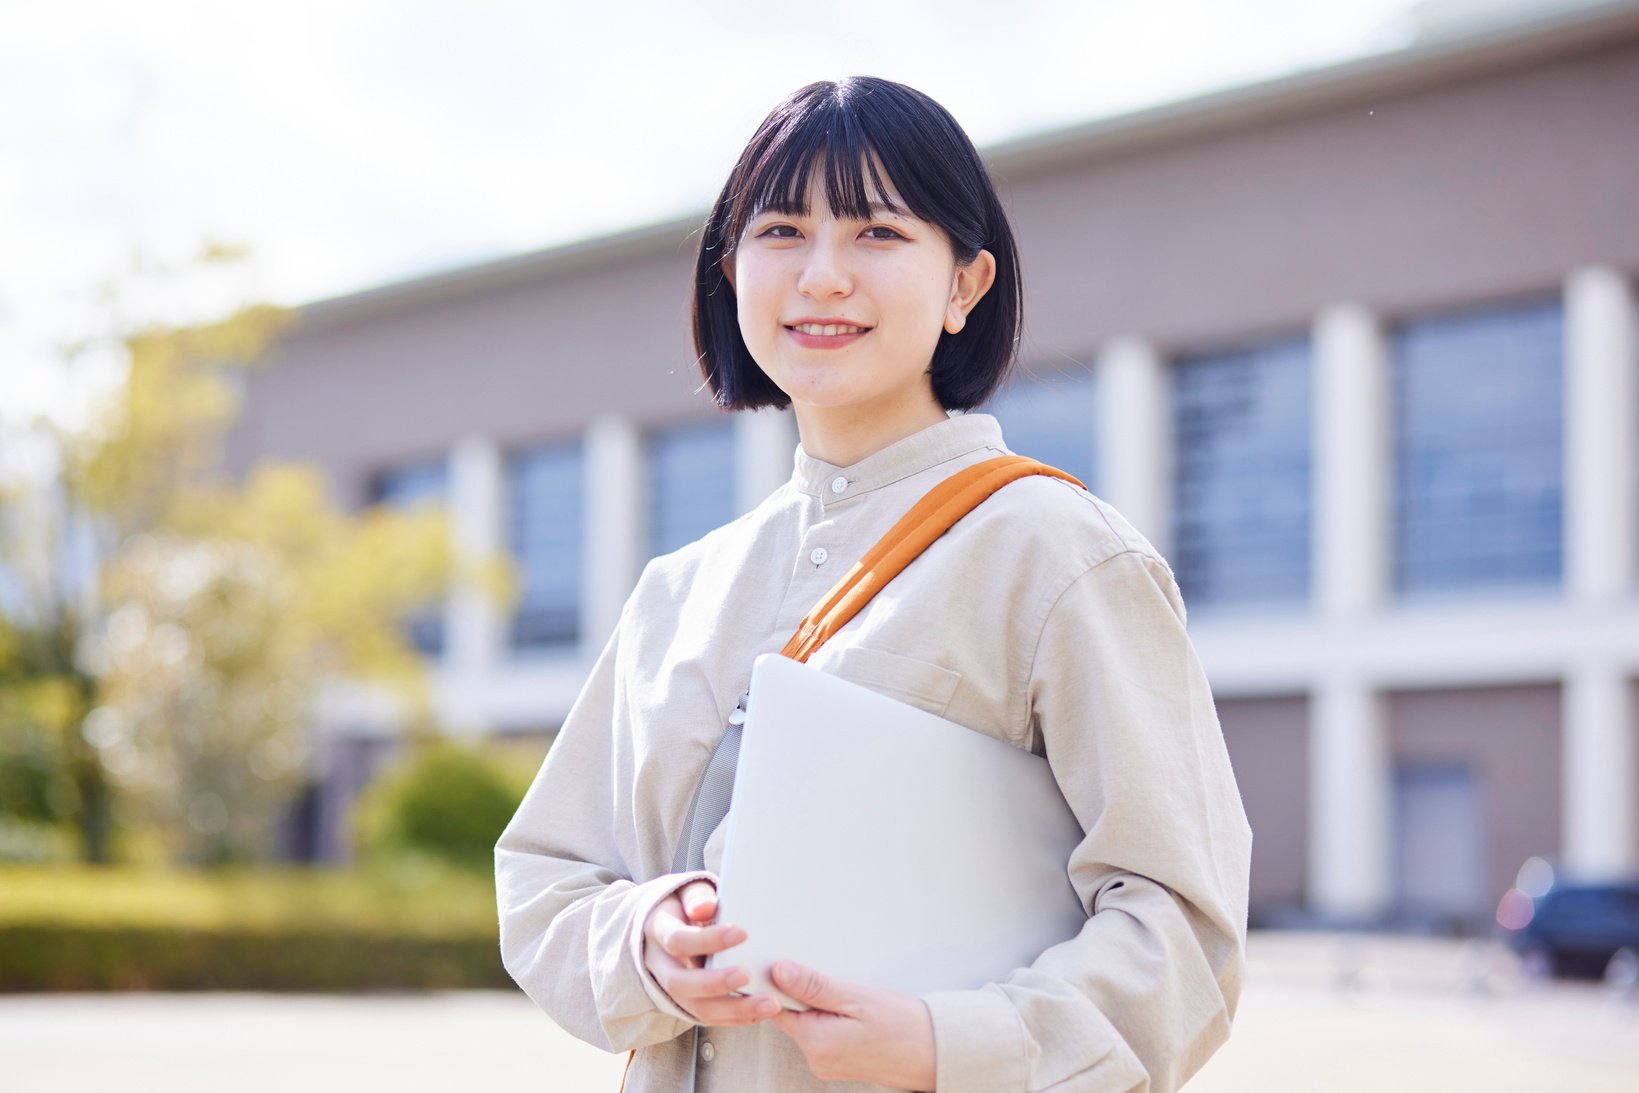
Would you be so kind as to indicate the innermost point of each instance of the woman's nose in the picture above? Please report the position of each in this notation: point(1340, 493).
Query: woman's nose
point(825, 272)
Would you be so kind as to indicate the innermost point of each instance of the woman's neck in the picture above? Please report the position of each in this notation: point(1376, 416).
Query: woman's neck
point(842, 436)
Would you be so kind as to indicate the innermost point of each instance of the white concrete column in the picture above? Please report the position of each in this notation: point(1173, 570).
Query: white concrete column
point(1135, 437)
point(1350, 770)
point(615, 531)
point(764, 443)
point(1601, 435)
point(474, 625)
point(1353, 462)
point(1601, 799)
point(1350, 789)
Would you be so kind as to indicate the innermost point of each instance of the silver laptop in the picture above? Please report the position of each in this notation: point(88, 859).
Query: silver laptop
point(878, 843)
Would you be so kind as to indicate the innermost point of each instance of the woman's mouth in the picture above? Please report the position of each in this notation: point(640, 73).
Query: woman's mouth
point(826, 335)
point(828, 330)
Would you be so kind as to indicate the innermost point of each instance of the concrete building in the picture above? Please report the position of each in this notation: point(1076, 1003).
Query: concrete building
point(1357, 348)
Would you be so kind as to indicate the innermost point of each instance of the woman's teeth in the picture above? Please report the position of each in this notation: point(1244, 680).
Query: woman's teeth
point(828, 329)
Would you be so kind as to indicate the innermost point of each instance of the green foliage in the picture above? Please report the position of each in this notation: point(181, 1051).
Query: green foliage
point(47, 957)
point(50, 778)
point(445, 802)
point(219, 634)
point(33, 782)
point(156, 435)
point(131, 929)
point(221, 609)
point(34, 841)
point(161, 432)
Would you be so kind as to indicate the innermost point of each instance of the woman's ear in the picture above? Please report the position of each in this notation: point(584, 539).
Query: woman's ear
point(967, 288)
point(727, 266)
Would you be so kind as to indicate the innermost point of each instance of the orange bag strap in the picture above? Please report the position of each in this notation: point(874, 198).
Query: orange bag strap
point(928, 519)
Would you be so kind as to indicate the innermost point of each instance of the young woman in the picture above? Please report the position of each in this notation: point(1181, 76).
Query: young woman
point(859, 267)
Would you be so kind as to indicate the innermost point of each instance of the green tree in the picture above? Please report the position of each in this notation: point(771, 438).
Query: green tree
point(185, 674)
point(50, 777)
point(45, 781)
point(222, 629)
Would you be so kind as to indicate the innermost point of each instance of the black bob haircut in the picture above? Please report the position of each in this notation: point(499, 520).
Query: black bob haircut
point(848, 127)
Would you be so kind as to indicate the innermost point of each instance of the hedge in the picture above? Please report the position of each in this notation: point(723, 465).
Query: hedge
point(291, 930)
point(444, 801)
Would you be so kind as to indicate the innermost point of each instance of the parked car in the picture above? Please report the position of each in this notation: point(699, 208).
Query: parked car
point(1571, 929)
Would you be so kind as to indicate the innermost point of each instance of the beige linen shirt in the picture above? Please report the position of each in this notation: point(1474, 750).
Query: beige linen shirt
point(1043, 619)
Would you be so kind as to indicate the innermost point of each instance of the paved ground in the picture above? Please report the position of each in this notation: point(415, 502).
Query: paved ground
point(254, 1043)
point(1343, 1016)
point(1317, 1014)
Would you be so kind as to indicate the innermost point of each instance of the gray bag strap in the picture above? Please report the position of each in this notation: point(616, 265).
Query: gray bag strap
point(713, 795)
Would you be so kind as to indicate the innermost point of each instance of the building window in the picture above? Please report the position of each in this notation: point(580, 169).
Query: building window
point(546, 514)
point(411, 486)
point(1479, 450)
point(1051, 421)
point(1241, 475)
point(691, 483)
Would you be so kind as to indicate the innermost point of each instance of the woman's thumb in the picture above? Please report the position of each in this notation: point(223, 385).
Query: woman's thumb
point(808, 987)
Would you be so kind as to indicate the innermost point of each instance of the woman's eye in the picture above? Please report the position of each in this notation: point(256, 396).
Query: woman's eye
point(882, 232)
point(779, 231)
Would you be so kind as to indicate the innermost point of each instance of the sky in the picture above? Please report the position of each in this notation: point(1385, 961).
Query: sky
point(352, 143)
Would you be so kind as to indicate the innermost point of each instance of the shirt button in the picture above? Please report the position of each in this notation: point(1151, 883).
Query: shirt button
point(818, 555)
point(707, 1052)
point(838, 484)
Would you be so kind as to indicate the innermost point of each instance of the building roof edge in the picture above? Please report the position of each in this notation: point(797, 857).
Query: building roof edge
point(498, 273)
point(1358, 80)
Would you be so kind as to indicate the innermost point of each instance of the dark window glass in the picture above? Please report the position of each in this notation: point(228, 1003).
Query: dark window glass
point(412, 485)
point(1478, 450)
point(691, 483)
point(546, 514)
point(1241, 475)
point(1051, 419)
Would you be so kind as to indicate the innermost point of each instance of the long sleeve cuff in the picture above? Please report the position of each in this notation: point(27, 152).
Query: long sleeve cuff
point(979, 1041)
point(662, 887)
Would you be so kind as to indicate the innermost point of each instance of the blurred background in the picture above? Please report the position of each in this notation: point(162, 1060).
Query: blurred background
point(346, 386)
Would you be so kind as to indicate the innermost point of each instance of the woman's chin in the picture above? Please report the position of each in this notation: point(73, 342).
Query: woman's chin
point(819, 393)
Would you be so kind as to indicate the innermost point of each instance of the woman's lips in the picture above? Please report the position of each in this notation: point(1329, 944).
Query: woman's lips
point(826, 335)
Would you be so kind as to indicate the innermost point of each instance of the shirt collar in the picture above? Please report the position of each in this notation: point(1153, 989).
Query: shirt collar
point(955, 436)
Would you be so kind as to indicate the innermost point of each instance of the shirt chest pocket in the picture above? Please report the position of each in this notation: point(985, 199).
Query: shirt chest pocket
point(923, 685)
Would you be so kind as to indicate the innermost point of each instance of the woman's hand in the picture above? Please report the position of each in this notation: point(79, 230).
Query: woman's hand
point(678, 937)
point(854, 1033)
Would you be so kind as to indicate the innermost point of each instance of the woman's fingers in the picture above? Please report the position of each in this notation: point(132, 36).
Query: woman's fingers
point(699, 901)
point(675, 950)
point(667, 914)
point(684, 942)
point(734, 1011)
point(705, 994)
point(668, 929)
point(704, 983)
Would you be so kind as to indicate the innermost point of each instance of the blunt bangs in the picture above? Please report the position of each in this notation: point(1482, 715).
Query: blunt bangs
point(778, 181)
point(862, 134)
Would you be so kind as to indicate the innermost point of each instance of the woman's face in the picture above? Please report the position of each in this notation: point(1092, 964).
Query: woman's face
point(842, 313)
